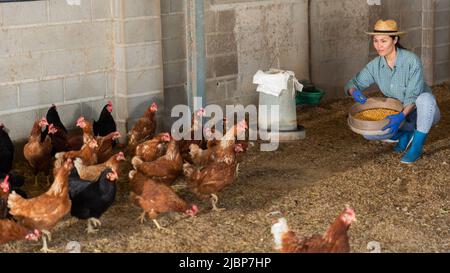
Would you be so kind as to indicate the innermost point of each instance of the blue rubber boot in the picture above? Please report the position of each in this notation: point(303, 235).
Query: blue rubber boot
point(415, 151)
point(404, 139)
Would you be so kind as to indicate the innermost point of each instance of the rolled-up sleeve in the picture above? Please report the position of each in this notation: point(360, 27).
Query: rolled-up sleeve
point(415, 83)
point(362, 80)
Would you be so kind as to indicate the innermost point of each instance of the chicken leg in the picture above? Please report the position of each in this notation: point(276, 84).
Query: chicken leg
point(46, 234)
point(159, 226)
point(214, 200)
point(141, 218)
point(72, 221)
point(93, 223)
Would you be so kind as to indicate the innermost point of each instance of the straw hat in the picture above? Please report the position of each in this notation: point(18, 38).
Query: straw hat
point(388, 27)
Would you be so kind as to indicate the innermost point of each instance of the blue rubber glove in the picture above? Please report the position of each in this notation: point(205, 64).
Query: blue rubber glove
point(359, 97)
point(394, 122)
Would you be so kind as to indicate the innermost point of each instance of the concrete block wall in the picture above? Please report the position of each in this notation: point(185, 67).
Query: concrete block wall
point(427, 55)
point(408, 15)
point(174, 44)
point(138, 60)
point(79, 57)
point(441, 45)
point(221, 54)
point(240, 38)
point(51, 52)
point(339, 46)
point(243, 37)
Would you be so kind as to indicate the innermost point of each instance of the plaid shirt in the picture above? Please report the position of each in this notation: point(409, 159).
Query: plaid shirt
point(404, 82)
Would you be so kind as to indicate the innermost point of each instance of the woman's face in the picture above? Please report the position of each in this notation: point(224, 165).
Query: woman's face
point(384, 44)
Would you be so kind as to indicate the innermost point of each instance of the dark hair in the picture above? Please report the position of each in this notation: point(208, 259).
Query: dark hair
point(398, 42)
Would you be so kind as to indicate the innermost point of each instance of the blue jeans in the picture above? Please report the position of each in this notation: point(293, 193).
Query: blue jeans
point(423, 117)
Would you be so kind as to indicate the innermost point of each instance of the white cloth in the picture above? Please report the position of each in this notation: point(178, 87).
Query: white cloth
point(274, 82)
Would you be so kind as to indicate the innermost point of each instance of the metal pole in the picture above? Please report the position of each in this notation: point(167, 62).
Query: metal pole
point(200, 53)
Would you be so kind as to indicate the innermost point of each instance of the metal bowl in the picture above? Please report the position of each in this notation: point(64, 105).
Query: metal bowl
point(367, 127)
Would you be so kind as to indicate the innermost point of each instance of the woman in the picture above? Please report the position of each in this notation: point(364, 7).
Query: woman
point(399, 74)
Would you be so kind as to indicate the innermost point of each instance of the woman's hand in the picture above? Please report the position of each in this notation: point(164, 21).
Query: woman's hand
point(394, 122)
point(357, 96)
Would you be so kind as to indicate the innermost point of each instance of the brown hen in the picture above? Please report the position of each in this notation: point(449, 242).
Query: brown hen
point(92, 172)
point(153, 148)
point(156, 198)
point(105, 143)
point(38, 149)
point(46, 210)
point(87, 153)
point(164, 169)
point(144, 129)
point(12, 231)
point(193, 136)
point(334, 240)
point(220, 171)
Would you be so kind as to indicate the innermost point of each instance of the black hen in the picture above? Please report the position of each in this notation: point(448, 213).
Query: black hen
point(53, 117)
point(6, 151)
point(60, 139)
point(105, 124)
point(91, 199)
point(15, 180)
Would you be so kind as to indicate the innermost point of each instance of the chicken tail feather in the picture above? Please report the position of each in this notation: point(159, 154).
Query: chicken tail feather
point(188, 170)
point(14, 199)
point(78, 163)
point(278, 229)
point(136, 161)
point(194, 150)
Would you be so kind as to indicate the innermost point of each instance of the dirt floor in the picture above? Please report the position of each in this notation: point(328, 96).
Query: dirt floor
point(404, 208)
